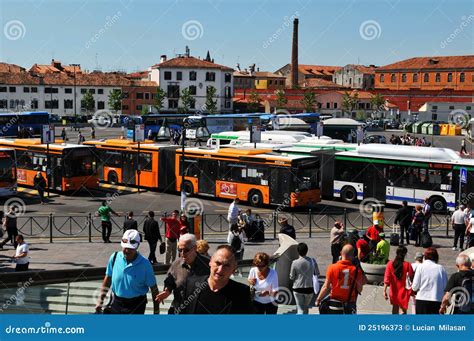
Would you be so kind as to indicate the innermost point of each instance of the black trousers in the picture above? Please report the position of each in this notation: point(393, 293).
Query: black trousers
point(266, 309)
point(136, 305)
point(404, 232)
point(335, 252)
point(152, 244)
point(41, 193)
point(427, 307)
point(106, 230)
point(459, 231)
point(22, 267)
point(11, 236)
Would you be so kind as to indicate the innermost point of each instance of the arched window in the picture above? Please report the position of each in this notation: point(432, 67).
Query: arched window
point(438, 78)
point(392, 78)
point(450, 77)
point(426, 78)
point(462, 77)
point(415, 78)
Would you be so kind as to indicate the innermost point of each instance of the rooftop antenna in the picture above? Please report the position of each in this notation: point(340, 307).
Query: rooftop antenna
point(97, 67)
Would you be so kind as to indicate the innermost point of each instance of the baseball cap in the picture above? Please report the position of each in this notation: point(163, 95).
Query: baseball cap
point(376, 222)
point(130, 239)
point(419, 255)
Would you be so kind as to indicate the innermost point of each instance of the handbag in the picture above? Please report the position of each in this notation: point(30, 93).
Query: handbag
point(162, 248)
point(315, 277)
point(324, 305)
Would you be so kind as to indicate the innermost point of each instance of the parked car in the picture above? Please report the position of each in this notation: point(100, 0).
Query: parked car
point(375, 139)
point(392, 124)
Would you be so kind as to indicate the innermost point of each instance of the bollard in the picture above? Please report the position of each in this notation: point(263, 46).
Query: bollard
point(89, 221)
point(50, 227)
point(274, 225)
point(447, 226)
point(310, 222)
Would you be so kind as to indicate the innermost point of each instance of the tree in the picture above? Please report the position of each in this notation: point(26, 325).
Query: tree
point(349, 102)
point(211, 104)
point(309, 101)
point(88, 101)
point(160, 96)
point(360, 115)
point(115, 100)
point(254, 101)
point(187, 101)
point(281, 99)
point(377, 102)
point(144, 110)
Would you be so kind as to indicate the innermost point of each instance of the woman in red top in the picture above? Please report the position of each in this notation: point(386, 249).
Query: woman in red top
point(398, 276)
point(183, 224)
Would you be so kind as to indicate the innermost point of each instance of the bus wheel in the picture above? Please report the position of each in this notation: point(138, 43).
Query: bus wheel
point(112, 178)
point(188, 188)
point(255, 198)
point(438, 204)
point(349, 195)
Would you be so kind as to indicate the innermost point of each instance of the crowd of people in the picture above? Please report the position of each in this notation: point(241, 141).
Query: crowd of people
point(409, 140)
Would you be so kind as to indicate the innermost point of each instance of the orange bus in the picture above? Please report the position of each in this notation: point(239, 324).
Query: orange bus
point(254, 175)
point(7, 171)
point(73, 167)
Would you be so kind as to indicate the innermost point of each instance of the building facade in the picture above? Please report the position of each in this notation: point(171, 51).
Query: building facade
point(355, 77)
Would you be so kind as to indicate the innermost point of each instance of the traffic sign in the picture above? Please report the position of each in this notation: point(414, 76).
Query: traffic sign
point(139, 133)
point(463, 176)
point(256, 136)
point(47, 134)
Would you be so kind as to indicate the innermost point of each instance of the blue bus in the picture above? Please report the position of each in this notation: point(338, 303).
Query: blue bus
point(22, 124)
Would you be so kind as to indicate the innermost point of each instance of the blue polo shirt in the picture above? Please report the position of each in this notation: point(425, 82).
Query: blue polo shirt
point(132, 279)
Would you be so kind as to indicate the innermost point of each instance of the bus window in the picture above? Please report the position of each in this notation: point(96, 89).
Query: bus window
point(112, 158)
point(446, 181)
point(306, 178)
point(40, 162)
point(145, 162)
point(191, 168)
point(79, 163)
point(256, 175)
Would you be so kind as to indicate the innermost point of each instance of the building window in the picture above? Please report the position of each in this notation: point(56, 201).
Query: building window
point(415, 78)
point(468, 108)
point(192, 90)
point(138, 107)
point(47, 104)
point(227, 104)
point(210, 76)
point(173, 91)
point(68, 104)
point(438, 78)
point(83, 91)
point(3, 104)
point(192, 105)
point(100, 105)
point(270, 82)
point(147, 95)
point(3, 89)
point(26, 89)
point(435, 107)
point(404, 77)
point(461, 77)
point(124, 94)
point(382, 78)
point(228, 92)
point(227, 78)
point(426, 77)
point(139, 95)
point(179, 76)
point(451, 107)
point(34, 104)
point(335, 105)
point(68, 90)
point(34, 89)
point(192, 75)
point(350, 81)
point(328, 105)
point(100, 91)
point(12, 89)
point(172, 104)
point(393, 78)
point(167, 75)
point(124, 107)
point(450, 77)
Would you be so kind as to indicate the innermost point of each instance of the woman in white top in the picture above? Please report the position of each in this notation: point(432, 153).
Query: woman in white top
point(429, 283)
point(264, 283)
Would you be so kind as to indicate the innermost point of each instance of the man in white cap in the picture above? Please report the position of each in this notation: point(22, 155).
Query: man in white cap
point(129, 275)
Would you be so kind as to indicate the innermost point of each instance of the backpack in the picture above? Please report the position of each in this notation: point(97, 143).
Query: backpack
point(466, 301)
point(235, 242)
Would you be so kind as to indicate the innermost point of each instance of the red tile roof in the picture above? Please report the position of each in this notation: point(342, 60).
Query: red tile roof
point(440, 62)
point(363, 68)
point(191, 62)
point(319, 83)
point(266, 74)
point(5, 67)
point(324, 70)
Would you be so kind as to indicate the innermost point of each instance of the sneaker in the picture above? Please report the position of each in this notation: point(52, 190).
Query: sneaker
point(454, 249)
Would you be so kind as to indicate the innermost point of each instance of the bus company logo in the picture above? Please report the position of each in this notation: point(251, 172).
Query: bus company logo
point(366, 206)
point(460, 118)
point(102, 119)
point(193, 207)
point(14, 207)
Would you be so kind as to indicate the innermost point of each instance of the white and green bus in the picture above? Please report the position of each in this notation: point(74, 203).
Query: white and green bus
point(392, 173)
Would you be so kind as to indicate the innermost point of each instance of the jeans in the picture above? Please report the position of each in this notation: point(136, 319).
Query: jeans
point(302, 302)
point(459, 231)
point(106, 230)
point(266, 309)
point(170, 255)
point(152, 244)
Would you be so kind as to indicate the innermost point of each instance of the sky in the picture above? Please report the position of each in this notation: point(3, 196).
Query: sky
point(130, 35)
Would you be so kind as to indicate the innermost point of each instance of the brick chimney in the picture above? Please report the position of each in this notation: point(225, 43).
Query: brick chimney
point(294, 55)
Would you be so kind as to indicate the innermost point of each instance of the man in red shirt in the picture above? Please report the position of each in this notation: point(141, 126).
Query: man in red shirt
point(344, 281)
point(172, 230)
point(363, 249)
point(373, 233)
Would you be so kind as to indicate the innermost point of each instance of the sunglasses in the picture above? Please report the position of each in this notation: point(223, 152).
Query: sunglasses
point(183, 250)
point(131, 241)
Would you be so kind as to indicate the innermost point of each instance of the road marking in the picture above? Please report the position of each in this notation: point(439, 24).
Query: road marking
point(121, 188)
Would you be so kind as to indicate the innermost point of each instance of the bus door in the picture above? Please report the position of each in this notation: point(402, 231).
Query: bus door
point(129, 168)
point(374, 182)
point(280, 179)
point(56, 167)
point(208, 176)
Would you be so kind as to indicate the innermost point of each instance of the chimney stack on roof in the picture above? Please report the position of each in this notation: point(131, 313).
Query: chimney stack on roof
point(162, 58)
point(294, 55)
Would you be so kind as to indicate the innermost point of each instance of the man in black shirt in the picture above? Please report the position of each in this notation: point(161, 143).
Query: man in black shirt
point(404, 217)
point(217, 293)
point(130, 223)
point(287, 228)
point(460, 284)
point(152, 235)
point(189, 264)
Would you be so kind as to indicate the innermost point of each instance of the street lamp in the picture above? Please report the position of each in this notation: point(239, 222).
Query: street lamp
point(75, 112)
point(183, 143)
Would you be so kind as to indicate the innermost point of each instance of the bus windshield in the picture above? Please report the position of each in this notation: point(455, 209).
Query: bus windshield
point(7, 165)
point(79, 162)
point(307, 176)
